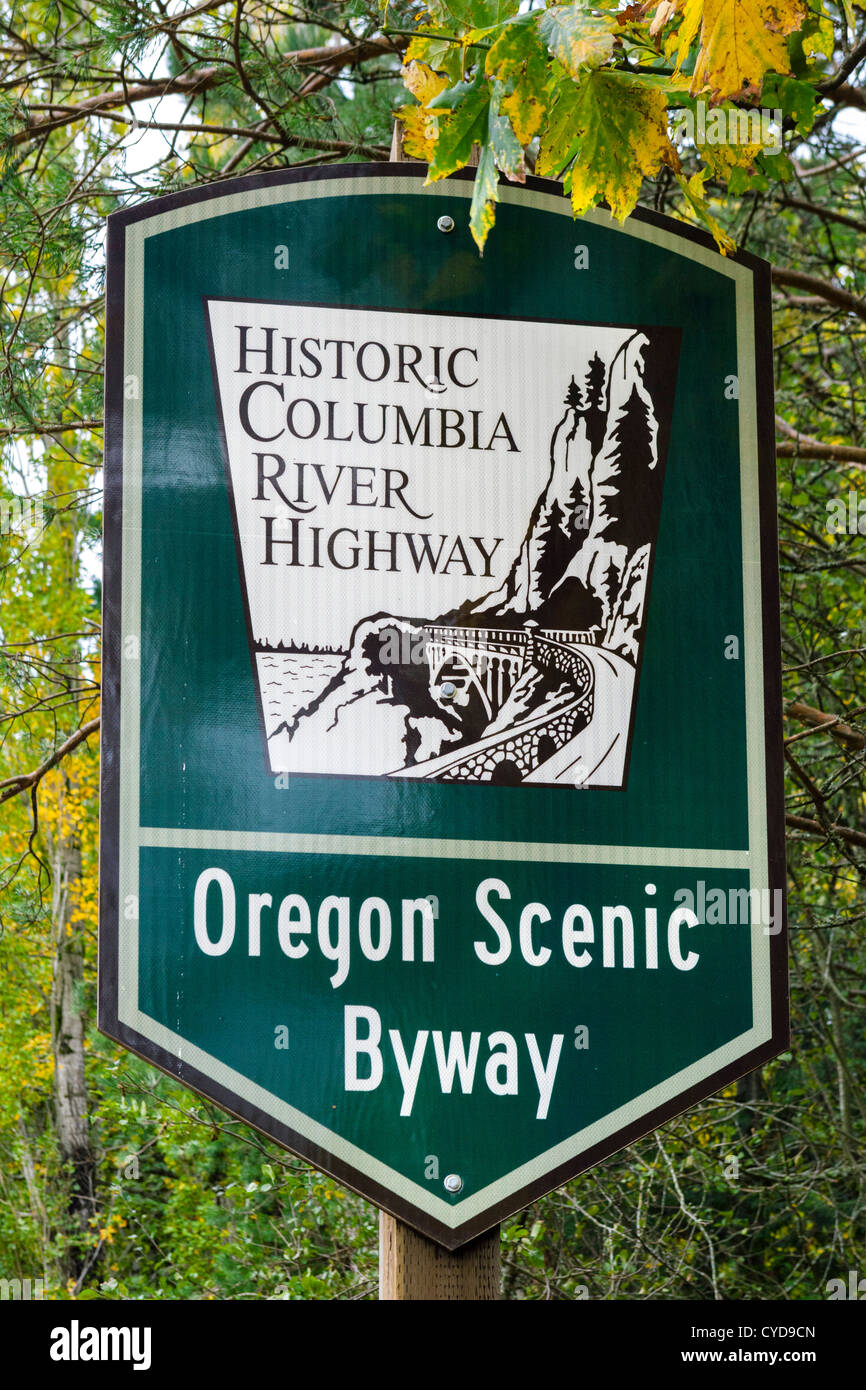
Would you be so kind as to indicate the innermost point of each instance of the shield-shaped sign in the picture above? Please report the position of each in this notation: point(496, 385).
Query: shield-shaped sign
point(442, 817)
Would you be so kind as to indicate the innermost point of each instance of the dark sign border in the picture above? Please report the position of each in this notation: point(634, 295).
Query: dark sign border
point(109, 838)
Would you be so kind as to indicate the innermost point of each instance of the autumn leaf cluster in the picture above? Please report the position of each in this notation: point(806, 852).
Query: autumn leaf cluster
point(588, 92)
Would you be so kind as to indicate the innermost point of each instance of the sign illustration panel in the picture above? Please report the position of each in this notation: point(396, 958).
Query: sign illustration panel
point(441, 812)
point(394, 633)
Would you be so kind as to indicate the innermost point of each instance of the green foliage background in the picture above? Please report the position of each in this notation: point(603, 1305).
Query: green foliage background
point(757, 1194)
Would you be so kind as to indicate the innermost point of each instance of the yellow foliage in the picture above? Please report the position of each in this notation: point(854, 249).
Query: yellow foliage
point(423, 82)
point(420, 127)
point(525, 112)
point(623, 139)
point(614, 128)
point(822, 40)
point(740, 41)
point(698, 208)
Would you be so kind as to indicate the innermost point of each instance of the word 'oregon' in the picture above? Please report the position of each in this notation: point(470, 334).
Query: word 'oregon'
point(337, 929)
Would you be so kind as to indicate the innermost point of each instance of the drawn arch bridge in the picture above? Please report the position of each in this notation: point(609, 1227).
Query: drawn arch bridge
point(492, 668)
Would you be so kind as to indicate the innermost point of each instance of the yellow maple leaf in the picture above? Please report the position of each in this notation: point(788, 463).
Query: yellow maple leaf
point(740, 41)
point(420, 129)
point(420, 126)
point(525, 112)
point(663, 12)
point(823, 40)
point(617, 126)
point(422, 81)
point(723, 158)
point(577, 38)
point(698, 210)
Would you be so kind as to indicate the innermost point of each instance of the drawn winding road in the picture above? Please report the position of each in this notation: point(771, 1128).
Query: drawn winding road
point(595, 757)
point(579, 739)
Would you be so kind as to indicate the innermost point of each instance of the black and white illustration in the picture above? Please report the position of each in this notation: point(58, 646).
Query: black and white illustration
point(446, 528)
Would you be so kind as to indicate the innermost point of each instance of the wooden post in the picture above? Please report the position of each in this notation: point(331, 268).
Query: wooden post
point(411, 1267)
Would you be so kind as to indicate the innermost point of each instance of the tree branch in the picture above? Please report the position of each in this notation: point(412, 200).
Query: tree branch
point(846, 95)
point(818, 718)
point(846, 67)
point(826, 214)
point(13, 786)
point(809, 171)
point(57, 427)
point(804, 446)
point(251, 135)
point(833, 294)
point(813, 827)
point(330, 60)
point(844, 453)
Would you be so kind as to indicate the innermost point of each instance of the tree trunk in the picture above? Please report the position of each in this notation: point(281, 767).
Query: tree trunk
point(37, 1206)
point(750, 1088)
point(67, 1036)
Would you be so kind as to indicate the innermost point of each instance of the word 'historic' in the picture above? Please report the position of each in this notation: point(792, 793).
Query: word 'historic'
point(282, 406)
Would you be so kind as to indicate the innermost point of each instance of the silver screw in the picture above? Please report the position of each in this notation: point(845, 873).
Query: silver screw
point(448, 691)
point(453, 1183)
point(445, 223)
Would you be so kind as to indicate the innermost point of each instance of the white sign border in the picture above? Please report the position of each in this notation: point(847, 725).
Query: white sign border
point(133, 837)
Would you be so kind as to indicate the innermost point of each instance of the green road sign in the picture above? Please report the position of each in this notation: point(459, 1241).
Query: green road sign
point(442, 809)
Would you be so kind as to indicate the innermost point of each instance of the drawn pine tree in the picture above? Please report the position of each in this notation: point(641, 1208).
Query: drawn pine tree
point(611, 585)
point(595, 409)
point(556, 548)
point(573, 396)
point(589, 407)
point(629, 504)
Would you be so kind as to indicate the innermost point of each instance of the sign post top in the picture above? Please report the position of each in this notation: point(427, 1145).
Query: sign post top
point(442, 832)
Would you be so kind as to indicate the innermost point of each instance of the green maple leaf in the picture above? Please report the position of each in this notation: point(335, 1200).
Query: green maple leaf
point(466, 126)
point(578, 39)
point(485, 195)
point(518, 61)
point(614, 127)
